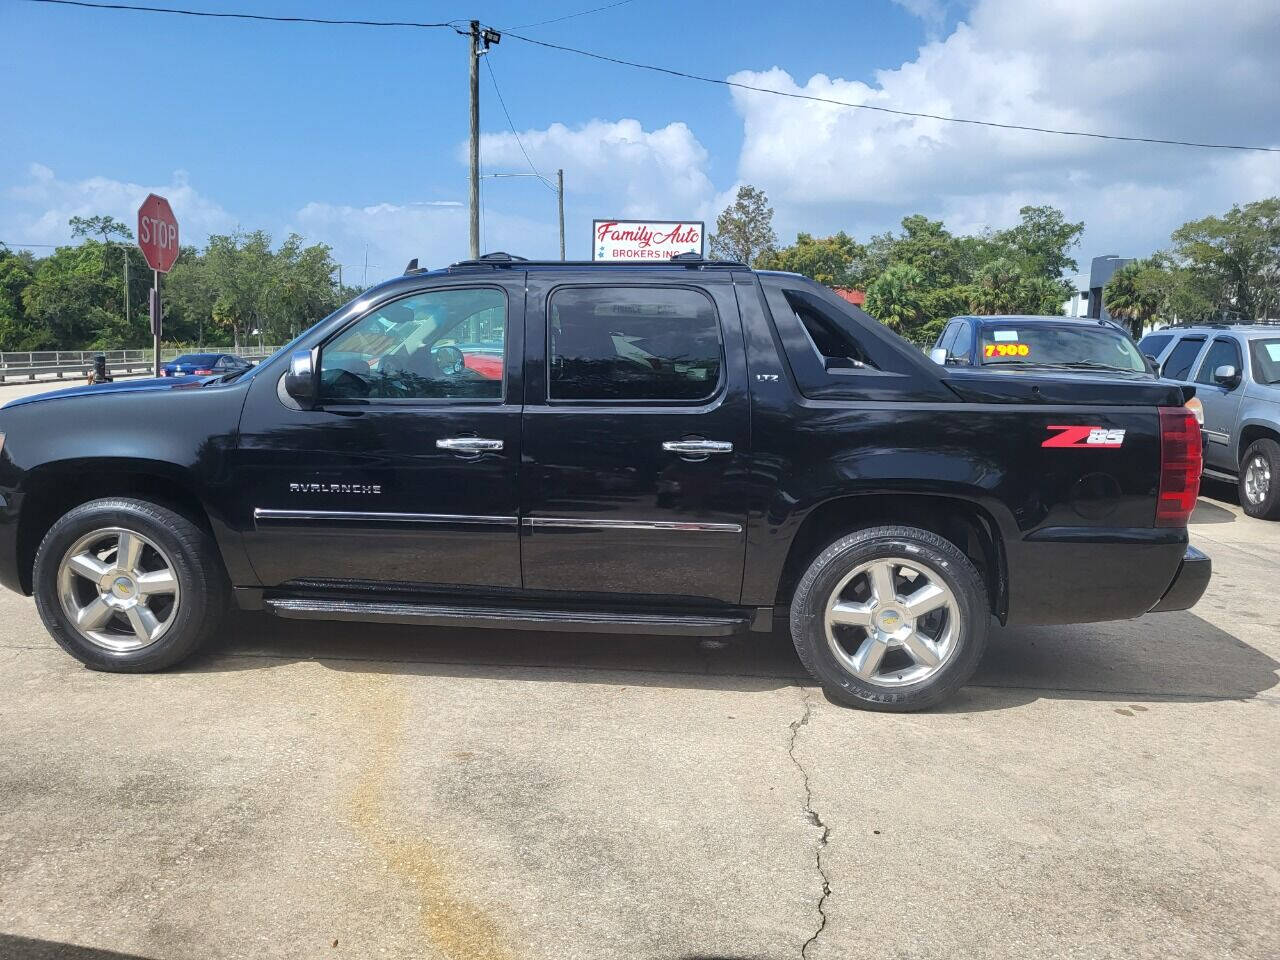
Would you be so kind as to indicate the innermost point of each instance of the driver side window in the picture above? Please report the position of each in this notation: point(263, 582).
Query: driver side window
point(439, 344)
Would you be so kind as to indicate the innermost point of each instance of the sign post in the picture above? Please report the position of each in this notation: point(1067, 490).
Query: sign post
point(158, 240)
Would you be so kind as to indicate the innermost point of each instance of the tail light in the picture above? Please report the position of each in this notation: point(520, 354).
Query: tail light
point(202, 373)
point(164, 372)
point(1181, 460)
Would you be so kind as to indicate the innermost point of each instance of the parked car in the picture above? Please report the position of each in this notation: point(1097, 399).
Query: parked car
point(204, 365)
point(1236, 374)
point(1024, 342)
point(689, 448)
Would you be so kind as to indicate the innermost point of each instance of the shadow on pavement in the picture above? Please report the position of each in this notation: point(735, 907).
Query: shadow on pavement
point(1220, 490)
point(1207, 512)
point(25, 948)
point(1168, 655)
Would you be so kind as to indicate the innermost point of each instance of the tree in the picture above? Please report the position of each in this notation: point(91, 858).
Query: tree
point(1134, 293)
point(1000, 286)
point(16, 274)
point(828, 260)
point(104, 226)
point(1236, 258)
point(239, 269)
point(744, 230)
point(1040, 244)
point(895, 299)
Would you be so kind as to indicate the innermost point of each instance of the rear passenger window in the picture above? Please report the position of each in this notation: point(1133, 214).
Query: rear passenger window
point(825, 332)
point(633, 343)
point(1178, 366)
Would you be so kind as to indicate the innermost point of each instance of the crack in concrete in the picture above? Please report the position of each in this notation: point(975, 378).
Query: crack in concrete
point(813, 817)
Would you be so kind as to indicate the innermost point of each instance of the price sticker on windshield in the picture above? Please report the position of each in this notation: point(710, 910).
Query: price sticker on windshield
point(1006, 350)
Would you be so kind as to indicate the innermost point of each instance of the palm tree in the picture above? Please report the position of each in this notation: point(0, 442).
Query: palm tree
point(893, 298)
point(1130, 296)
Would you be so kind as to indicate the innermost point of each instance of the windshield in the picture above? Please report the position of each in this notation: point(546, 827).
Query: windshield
point(1266, 360)
point(1045, 345)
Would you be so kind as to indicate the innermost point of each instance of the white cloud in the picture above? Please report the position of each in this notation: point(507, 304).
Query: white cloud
point(640, 173)
point(436, 233)
point(1185, 70)
point(38, 210)
point(932, 13)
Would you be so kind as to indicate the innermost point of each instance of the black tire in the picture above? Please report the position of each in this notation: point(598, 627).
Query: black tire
point(1267, 508)
point(940, 558)
point(195, 562)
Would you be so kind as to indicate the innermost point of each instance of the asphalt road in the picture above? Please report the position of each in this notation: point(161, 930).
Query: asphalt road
point(351, 791)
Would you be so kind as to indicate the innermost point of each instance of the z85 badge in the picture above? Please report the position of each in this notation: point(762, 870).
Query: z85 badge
point(1084, 437)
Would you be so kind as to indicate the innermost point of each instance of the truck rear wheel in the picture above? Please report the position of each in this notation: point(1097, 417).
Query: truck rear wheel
point(890, 618)
point(1260, 480)
point(128, 586)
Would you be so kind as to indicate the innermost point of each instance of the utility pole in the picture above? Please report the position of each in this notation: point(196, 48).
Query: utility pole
point(560, 200)
point(479, 42)
point(475, 139)
point(557, 188)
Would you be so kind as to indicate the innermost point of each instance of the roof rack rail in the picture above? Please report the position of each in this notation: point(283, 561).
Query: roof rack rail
point(698, 260)
point(489, 259)
point(502, 259)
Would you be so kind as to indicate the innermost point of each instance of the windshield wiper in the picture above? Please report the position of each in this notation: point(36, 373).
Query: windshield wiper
point(1064, 365)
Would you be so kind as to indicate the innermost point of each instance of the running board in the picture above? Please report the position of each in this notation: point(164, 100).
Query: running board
point(1213, 474)
point(508, 618)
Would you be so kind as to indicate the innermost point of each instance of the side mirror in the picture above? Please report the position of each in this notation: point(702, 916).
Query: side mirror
point(938, 355)
point(301, 382)
point(1226, 375)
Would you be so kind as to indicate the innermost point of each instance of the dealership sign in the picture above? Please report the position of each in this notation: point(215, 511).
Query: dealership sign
point(645, 239)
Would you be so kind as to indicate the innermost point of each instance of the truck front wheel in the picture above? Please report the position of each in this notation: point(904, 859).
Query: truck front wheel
point(128, 586)
point(890, 618)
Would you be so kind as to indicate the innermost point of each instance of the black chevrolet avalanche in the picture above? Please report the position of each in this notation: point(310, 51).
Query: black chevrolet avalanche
point(689, 448)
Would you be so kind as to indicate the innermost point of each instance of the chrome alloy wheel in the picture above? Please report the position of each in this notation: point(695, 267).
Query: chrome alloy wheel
point(892, 622)
point(118, 589)
point(1257, 479)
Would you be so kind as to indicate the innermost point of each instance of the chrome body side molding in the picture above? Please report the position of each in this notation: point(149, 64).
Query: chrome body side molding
point(373, 516)
point(571, 522)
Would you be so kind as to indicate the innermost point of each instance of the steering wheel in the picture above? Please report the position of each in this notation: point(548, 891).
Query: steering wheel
point(449, 359)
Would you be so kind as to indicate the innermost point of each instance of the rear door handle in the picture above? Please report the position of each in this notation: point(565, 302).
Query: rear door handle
point(697, 448)
point(469, 444)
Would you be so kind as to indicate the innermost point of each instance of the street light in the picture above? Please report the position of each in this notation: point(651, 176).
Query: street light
point(558, 187)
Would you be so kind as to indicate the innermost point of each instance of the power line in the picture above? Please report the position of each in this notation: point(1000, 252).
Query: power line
point(901, 113)
point(503, 103)
point(570, 16)
point(241, 16)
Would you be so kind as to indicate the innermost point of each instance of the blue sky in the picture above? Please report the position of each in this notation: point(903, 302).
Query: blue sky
point(355, 136)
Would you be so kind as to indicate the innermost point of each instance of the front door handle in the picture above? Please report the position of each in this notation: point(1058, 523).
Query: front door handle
point(469, 444)
point(697, 448)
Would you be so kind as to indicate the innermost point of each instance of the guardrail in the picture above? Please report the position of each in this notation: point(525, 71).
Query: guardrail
point(79, 363)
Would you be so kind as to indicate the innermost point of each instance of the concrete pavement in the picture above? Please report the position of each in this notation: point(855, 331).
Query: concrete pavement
point(341, 790)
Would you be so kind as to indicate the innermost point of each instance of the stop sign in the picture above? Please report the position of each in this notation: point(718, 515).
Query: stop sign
point(158, 233)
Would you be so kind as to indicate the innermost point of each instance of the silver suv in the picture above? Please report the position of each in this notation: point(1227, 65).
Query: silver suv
point(1236, 372)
